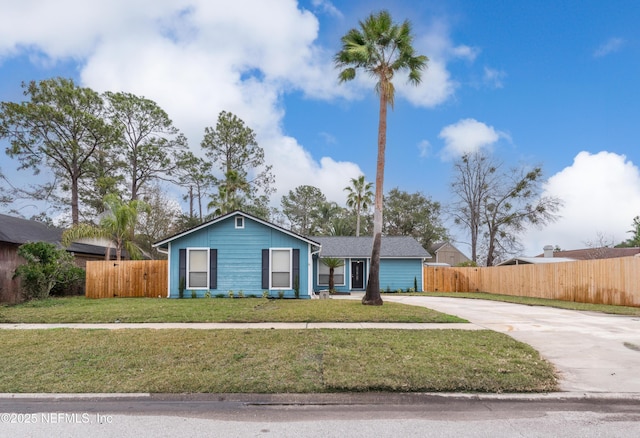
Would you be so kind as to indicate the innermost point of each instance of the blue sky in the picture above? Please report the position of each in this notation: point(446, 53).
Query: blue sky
point(550, 83)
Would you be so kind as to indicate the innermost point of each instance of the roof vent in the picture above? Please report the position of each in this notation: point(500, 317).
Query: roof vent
point(548, 251)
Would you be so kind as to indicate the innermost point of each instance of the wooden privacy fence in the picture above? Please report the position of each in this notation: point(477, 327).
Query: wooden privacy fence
point(604, 281)
point(130, 278)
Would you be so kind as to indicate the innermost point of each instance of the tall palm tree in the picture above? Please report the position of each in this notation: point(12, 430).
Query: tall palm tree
point(359, 197)
point(116, 225)
point(381, 48)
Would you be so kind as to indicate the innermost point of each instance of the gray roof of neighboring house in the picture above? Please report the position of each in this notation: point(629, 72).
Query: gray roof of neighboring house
point(595, 253)
point(390, 247)
point(17, 230)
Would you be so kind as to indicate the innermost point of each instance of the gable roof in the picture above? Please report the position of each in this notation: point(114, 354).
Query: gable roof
point(163, 243)
point(436, 247)
point(390, 247)
point(17, 231)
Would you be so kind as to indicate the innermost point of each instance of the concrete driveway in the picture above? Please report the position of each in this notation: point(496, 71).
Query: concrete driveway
point(593, 352)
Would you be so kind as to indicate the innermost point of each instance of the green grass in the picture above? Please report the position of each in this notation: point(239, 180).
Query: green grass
point(130, 310)
point(529, 301)
point(268, 361)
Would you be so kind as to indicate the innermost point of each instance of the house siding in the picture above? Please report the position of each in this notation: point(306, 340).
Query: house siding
point(450, 255)
point(400, 274)
point(394, 274)
point(239, 256)
point(339, 288)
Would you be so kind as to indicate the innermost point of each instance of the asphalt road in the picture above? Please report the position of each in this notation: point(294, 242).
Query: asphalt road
point(332, 415)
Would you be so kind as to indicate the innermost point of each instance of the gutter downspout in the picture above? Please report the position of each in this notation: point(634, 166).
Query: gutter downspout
point(310, 270)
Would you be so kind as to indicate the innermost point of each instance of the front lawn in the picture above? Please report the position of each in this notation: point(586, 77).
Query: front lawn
point(268, 361)
point(130, 310)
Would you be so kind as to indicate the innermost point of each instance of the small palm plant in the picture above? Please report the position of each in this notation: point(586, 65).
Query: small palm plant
point(332, 263)
point(117, 225)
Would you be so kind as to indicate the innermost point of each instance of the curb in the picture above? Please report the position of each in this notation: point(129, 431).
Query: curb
point(243, 326)
point(335, 398)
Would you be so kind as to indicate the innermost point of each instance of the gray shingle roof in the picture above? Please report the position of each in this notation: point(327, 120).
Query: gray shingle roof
point(18, 231)
point(390, 247)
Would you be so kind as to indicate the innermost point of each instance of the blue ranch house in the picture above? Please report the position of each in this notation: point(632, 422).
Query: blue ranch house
point(242, 253)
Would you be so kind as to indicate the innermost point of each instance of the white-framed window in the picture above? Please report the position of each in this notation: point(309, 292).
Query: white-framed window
point(197, 268)
point(280, 267)
point(239, 222)
point(323, 274)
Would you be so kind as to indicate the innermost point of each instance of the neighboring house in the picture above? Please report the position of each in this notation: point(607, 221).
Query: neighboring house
point(551, 256)
point(592, 253)
point(534, 261)
point(401, 260)
point(16, 231)
point(239, 252)
point(444, 253)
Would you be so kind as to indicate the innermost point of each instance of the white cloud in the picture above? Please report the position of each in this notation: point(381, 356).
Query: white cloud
point(467, 136)
point(437, 85)
point(50, 27)
point(601, 194)
point(424, 147)
point(196, 58)
point(327, 7)
point(610, 46)
point(493, 78)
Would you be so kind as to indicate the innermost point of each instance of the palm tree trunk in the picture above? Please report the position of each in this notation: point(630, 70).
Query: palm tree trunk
point(332, 283)
point(372, 294)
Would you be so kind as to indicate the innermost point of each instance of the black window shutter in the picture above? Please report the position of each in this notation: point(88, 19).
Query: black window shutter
point(182, 267)
point(213, 268)
point(265, 269)
point(296, 267)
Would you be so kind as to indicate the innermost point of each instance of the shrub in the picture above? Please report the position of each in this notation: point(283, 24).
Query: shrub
point(46, 267)
point(280, 294)
point(230, 294)
point(207, 294)
point(240, 294)
point(265, 294)
point(219, 295)
point(194, 294)
point(296, 286)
